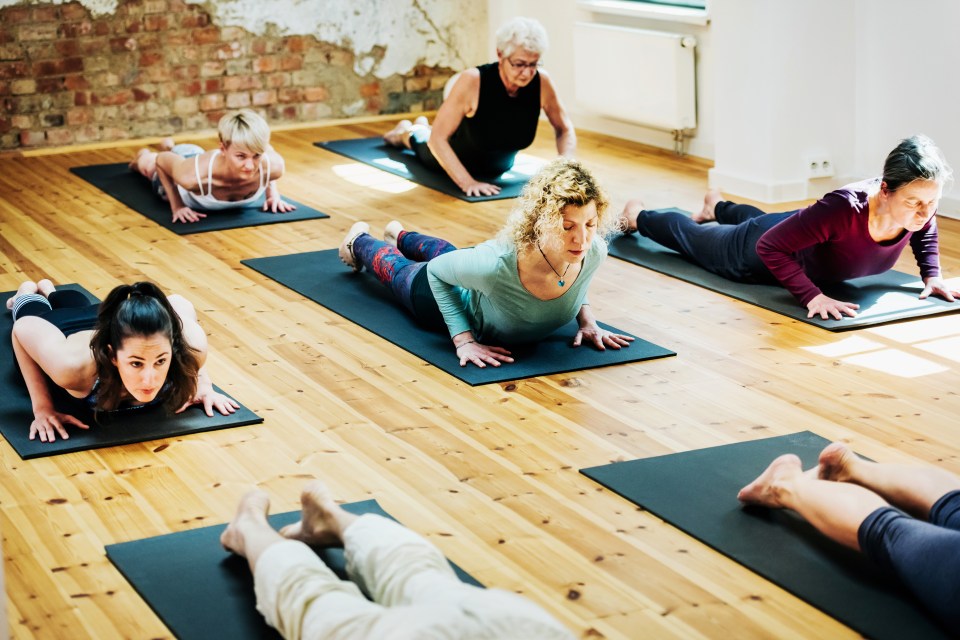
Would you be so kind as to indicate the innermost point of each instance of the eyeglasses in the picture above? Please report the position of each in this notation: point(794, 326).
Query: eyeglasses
point(523, 66)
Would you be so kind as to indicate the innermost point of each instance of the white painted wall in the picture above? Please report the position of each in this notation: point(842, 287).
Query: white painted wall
point(559, 16)
point(783, 81)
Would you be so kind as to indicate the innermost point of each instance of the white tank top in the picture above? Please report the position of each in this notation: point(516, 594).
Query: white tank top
point(207, 201)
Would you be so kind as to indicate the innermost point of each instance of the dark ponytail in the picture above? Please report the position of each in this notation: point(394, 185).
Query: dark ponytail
point(141, 310)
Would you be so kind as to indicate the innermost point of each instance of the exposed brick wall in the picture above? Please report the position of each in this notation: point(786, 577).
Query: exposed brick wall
point(159, 67)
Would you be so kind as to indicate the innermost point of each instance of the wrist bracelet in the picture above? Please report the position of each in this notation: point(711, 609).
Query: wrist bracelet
point(464, 343)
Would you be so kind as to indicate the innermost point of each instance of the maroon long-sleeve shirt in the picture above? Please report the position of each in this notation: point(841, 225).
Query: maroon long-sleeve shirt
point(829, 241)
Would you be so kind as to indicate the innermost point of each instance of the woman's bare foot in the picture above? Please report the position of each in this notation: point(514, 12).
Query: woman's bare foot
point(167, 144)
point(29, 286)
point(767, 489)
point(628, 217)
point(397, 136)
point(251, 512)
point(145, 163)
point(837, 463)
point(708, 213)
point(322, 521)
point(45, 287)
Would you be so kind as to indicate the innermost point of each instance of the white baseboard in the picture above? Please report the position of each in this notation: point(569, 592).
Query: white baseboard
point(757, 190)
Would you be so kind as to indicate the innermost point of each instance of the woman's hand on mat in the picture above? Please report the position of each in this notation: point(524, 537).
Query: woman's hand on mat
point(936, 286)
point(477, 188)
point(186, 214)
point(47, 423)
point(826, 307)
point(482, 355)
point(601, 338)
point(276, 204)
point(211, 400)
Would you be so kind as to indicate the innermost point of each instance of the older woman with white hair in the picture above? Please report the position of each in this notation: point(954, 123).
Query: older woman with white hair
point(491, 113)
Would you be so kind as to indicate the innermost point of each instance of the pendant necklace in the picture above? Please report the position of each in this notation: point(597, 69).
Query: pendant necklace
point(560, 276)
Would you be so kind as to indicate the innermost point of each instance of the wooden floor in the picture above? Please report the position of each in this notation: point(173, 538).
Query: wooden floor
point(488, 473)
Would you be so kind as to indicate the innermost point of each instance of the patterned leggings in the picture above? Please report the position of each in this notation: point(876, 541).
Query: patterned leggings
point(401, 269)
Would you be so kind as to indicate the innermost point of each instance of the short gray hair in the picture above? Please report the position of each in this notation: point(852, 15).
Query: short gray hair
point(915, 158)
point(524, 33)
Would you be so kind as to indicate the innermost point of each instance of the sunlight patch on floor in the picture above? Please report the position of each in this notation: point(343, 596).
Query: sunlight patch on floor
point(367, 176)
point(896, 362)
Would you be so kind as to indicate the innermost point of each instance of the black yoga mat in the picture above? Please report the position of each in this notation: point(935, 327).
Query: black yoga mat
point(886, 297)
point(201, 591)
point(696, 492)
point(132, 189)
point(404, 163)
point(361, 298)
point(121, 427)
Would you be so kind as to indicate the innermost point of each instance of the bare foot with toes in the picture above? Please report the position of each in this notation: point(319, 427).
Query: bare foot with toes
point(322, 520)
point(25, 287)
point(397, 136)
point(766, 490)
point(628, 217)
point(253, 509)
point(708, 213)
point(837, 463)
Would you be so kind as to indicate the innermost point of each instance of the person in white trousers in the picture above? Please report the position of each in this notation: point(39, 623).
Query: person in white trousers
point(414, 592)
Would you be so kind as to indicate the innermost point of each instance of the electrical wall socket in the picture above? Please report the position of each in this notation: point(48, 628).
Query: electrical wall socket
point(819, 167)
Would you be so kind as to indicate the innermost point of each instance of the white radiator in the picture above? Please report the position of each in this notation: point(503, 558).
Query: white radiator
point(642, 77)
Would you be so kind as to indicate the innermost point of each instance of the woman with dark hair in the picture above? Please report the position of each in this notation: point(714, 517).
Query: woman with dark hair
point(858, 230)
point(136, 348)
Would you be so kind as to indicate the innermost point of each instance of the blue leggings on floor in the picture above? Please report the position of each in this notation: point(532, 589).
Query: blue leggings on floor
point(923, 555)
point(401, 269)
point(728, 249)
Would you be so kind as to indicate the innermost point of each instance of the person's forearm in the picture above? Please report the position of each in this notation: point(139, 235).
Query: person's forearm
point(567, 142)
point(448, 159)
point(170, 188)
point(33, 376)
point(585, 316)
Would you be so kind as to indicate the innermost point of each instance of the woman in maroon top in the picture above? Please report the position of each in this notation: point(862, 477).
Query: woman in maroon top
point(490, 114)
point(857, 230)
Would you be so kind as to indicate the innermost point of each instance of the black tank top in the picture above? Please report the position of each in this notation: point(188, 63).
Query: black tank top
point(502, 124)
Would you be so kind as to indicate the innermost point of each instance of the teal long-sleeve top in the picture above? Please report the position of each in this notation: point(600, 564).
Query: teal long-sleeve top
point(479, 290)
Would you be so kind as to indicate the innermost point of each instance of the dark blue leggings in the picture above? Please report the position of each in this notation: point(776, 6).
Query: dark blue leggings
point(401, 269)
point(728, 249)
point(923, 555)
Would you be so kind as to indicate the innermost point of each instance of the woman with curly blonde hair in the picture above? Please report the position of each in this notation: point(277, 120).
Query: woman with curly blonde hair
point(518, 288)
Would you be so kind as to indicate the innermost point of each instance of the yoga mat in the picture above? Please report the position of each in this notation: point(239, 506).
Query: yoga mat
point(404, 163)
point(132, 189)
point(696, 492)
point(886, 297)
point(123, 427)
point(201, 591)
point(361, 298)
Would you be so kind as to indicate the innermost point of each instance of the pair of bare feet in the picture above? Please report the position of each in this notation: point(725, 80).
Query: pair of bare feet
point(837, 463)
point(145, 162)
point(399, 136)
point(43, 287)
point(322, 521)
point(628, 217)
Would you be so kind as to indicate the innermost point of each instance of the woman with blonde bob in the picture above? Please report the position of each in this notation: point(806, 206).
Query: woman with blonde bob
point(242, 172)
point(517, 288)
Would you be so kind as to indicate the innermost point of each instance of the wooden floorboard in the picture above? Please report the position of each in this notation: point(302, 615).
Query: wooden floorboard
point(489, 473)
